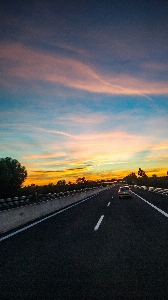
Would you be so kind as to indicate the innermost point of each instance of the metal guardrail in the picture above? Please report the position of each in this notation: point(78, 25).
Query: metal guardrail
point(12, 218)
point(12, 203)
point(161, 191)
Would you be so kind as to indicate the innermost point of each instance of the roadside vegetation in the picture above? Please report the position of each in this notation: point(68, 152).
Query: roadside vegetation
point(13, 175)
point(60, 186)
point(141, 179)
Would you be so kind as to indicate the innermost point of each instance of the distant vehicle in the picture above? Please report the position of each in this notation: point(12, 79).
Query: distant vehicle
point(157, 190)
point(144, 187)
point(22, 198)
point(9, 199)
point(160, 191)
point(163, 192)
point(124, 192)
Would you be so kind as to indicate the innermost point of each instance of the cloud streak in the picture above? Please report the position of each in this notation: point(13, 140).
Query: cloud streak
point(23, 64)
point(84, 88)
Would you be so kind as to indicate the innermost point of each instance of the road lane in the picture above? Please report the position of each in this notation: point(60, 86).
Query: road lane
point(64, 258)
point(155, 207)
point(135, 246)
point(34, 223)
point(160, 201)
point(28, 249)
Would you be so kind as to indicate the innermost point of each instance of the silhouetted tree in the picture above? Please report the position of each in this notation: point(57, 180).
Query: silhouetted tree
point(143, 178)
point(12, 175)
point(131, 178)
point(61, 182)
point(80, 180)
point(141, 173)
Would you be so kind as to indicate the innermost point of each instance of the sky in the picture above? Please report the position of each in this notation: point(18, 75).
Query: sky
point(84, 88)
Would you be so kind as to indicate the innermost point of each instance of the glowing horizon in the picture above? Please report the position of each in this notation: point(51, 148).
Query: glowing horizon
point(84, 98)
point(36, 178)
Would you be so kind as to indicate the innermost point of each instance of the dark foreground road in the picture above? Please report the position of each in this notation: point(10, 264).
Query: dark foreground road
point(104, 248)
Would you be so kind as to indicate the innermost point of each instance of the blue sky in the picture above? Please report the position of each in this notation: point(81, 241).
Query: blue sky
point(84, 88)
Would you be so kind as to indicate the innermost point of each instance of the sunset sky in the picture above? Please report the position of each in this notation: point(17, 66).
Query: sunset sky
point(84, 88)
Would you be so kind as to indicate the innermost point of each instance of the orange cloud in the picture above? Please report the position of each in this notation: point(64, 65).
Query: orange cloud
point(94, 152)
point(42, 178)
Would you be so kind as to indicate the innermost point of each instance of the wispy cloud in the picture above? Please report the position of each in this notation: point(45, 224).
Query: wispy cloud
point(155, 66)
point(84, 98)
point(45, 155)
point(83, 118)
point(88, 145)
point(28, 65)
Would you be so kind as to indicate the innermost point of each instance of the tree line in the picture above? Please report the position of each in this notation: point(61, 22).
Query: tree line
point(13, 174)
point(142, 179)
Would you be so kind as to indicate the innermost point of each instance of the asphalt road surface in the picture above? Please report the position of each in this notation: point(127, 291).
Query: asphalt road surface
point(103, 248)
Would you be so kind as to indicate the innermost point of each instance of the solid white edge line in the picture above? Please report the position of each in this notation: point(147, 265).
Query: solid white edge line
point(98, 223)
point(37, 222)
point(158, 209)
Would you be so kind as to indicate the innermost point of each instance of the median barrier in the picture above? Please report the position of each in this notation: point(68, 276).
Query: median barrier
point(14, 218)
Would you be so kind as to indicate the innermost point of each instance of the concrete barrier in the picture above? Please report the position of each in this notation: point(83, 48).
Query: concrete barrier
point(14, 218)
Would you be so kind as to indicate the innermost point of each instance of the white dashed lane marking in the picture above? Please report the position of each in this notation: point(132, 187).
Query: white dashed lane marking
point(98, 223)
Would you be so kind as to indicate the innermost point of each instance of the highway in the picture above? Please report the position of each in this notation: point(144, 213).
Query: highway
point(102, 248)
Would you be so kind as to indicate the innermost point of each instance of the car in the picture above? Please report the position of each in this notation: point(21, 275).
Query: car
point(124, 192)
point(164, 192)
point(151, 189)
point(144, 187)
point(160, 191)
point(157, 190)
